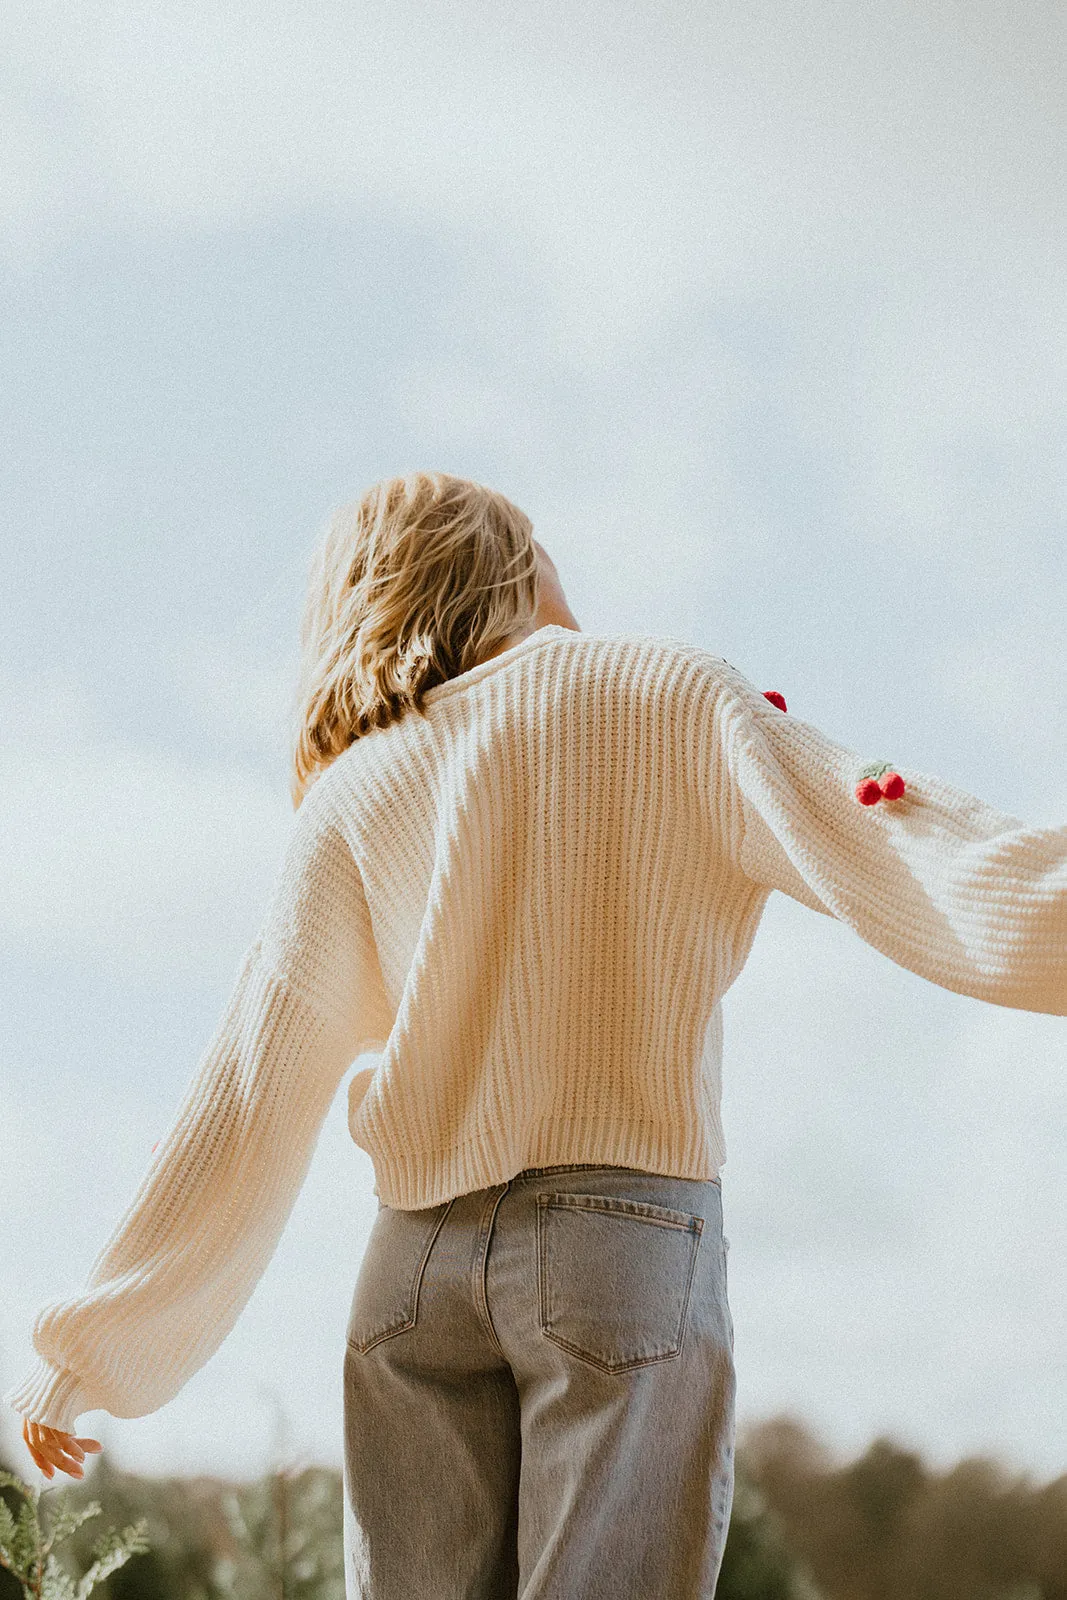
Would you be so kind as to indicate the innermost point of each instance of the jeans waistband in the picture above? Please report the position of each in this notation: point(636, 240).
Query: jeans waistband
point(595, 1166)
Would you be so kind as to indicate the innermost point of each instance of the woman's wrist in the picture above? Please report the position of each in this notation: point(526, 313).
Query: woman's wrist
point(51, 1395)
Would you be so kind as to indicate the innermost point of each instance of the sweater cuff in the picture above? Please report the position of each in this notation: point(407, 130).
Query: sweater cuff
point(51, 1396)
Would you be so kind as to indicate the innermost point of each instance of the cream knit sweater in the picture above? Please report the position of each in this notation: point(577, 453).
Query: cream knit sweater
point(530, 903)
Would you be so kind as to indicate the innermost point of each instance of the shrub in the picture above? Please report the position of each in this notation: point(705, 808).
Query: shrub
point(28, 1543)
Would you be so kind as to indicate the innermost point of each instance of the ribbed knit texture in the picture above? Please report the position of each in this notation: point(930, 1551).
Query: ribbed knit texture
point(530, 901)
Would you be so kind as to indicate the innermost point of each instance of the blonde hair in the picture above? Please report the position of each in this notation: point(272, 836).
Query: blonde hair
point(408, 586)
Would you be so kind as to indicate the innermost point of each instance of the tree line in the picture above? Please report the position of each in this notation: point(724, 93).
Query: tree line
point(805, 1526)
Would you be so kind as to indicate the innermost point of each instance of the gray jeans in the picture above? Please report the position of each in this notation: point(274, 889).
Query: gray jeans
point(539, 1393)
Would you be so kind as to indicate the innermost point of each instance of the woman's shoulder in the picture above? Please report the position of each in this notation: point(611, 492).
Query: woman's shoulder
point(662, 657)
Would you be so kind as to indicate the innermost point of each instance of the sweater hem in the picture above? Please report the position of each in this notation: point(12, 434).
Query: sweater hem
point(703, 1161)
point(53, 1396)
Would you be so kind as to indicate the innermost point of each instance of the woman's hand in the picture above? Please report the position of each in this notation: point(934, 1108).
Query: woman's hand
point(52, 1448)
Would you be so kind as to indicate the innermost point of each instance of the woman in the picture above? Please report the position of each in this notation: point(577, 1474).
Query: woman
point(527, 864)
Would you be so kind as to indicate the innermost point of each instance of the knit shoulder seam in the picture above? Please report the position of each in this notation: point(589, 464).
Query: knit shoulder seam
point(283, 980)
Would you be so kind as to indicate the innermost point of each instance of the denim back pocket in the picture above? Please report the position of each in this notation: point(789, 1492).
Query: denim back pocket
point(385, 1301)
point(613, 1277)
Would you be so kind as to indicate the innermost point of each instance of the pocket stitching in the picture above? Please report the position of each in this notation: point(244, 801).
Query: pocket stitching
point(413, 1295)
point(662, 1216)
point(667, 1216)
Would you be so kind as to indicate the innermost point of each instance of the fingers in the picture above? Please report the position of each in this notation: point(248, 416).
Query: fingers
point(42, 1440)
point(60, 1449)
point(68, 1443)
point(52, 1448)
point(38, 1459)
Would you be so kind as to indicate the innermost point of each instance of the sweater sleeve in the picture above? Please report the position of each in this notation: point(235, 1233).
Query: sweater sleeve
point(184, 1259)
point(945, 885)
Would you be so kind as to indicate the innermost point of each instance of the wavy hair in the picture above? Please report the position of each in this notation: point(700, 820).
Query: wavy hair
point(417, 581)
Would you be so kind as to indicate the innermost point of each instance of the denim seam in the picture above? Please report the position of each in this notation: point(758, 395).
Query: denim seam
point(479, 1264)
point(413, 1296)
point(532, 1174)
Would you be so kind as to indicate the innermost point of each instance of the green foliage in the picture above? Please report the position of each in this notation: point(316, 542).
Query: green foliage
point(884, 1526)
point(287, 1538)
point(183, 1530)
point(887, 1527)
point(28, 1543)
point(757, 1563)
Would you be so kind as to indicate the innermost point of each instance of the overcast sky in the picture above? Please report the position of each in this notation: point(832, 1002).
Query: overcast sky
point(760, 312)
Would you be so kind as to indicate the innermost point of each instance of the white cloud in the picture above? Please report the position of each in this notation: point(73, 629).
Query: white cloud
point(643, 156)
point(237, 702)
point(124, 855)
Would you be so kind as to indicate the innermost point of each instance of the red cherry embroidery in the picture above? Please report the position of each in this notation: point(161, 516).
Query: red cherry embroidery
point(879, 782)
